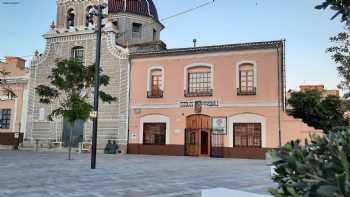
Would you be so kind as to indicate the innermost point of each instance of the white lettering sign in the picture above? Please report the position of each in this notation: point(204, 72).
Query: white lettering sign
point(190, 104)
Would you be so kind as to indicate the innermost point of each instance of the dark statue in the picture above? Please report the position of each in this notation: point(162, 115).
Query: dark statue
point(111, 148)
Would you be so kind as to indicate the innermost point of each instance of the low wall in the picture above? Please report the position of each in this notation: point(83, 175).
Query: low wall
point(170, 150)
point(245, 153)
point(179, 150)
point(9, 139)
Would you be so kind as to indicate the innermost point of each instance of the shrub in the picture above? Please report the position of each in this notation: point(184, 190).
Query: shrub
point(320, 168)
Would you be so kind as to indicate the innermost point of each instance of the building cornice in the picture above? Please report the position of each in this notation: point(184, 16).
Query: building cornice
point(209, 49)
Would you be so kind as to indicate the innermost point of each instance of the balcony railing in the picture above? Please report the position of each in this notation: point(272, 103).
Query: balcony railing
point(199, 93)
point(155, 94)
point(241, 92)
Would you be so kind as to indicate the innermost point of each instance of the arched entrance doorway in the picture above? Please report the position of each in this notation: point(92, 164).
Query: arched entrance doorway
point(197, 135)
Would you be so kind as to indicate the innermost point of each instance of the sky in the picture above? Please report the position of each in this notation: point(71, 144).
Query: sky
point(306, 30)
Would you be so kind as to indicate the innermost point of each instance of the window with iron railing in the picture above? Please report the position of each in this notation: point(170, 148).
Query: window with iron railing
point(154, 133)
point(156, 86)
point(247, 135)
point(246, 81)
point(199, 84)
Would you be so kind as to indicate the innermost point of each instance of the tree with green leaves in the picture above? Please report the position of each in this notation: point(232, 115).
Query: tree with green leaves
point(6, 88)
point(341, 55)
point(342, 8)
point(70, 86)
point(320, 168)
point(321, 113)
point(340, 52)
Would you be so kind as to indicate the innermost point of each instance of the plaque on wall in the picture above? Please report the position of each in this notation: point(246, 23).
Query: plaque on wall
point(219, 125)
point(137, 110)
point(198, 107)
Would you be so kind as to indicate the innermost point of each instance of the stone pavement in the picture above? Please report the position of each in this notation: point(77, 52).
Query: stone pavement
point(30, 174)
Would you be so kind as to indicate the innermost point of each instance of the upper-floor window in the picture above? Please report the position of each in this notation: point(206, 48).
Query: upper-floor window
point(136, 30)
point(5, 118)
point(154, 35)
point(70, 18)
point(78, 54)
point(89, 16)
point(199, 81)
point(156, 84)
point(246, 80)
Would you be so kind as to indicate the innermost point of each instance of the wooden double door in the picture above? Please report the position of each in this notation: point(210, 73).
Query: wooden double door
point(198, 135)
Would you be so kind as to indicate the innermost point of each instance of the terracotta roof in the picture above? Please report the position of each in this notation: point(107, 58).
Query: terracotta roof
point(208, 49)
point(140, 7)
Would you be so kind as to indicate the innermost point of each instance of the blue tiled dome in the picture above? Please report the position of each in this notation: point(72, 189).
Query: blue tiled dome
point(140, 7)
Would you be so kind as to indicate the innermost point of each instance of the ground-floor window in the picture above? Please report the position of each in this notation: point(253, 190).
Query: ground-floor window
point(154, 133)
point(5, 118)
point(247, 134)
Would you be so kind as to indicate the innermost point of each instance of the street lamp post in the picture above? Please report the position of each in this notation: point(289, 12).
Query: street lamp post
point(99, 15)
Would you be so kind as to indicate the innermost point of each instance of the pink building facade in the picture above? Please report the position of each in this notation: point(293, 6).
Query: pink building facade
point(13, 109)
point(220, 101)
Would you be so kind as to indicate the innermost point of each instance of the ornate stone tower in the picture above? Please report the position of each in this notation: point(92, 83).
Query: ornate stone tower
point(130, 23)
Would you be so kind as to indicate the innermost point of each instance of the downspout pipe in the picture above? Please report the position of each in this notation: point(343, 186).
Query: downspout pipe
point(129, 98)
point(279, 86)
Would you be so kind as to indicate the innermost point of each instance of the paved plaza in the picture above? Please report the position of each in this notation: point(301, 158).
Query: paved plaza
point(30, 174)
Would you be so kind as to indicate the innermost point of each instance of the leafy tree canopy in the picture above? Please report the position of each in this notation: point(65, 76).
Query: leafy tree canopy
point(6, 89)
point(321, 113)
point(71, 85)
point(342, 8)
point(341, 55)
point(320, 168)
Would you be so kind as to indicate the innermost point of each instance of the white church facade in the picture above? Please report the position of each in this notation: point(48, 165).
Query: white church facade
point(130, 23)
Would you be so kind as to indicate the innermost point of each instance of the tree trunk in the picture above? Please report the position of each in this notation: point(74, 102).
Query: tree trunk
point(70, 141)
